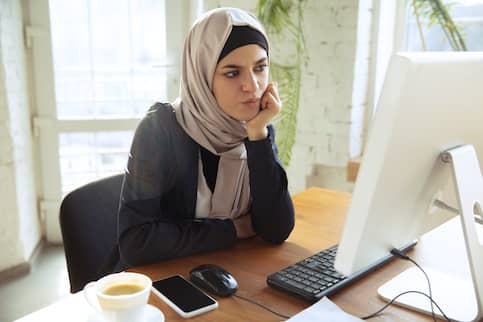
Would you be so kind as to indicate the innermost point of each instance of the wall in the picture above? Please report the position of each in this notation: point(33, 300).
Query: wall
point(334, 89)
point(329, 133)
point(20, 229)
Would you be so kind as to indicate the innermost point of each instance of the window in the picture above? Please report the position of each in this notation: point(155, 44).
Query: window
point(466, 13)
point(396, 30)
point(107, 60)
point(97, 66)
point(86, 156)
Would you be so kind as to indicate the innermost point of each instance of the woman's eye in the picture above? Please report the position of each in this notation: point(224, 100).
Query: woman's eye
point(261, 68)
point(231, 74)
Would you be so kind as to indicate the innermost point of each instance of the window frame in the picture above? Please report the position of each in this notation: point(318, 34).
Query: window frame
point(46, 125)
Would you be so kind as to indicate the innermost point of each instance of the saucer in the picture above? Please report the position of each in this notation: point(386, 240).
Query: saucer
point(151, 314)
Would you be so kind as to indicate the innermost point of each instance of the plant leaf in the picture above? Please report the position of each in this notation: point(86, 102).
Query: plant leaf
point(278, 18)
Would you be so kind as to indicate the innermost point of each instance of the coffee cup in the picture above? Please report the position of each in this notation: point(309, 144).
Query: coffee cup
point(120, 297)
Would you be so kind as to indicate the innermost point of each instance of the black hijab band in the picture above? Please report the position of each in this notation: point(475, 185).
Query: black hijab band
point(242, 36)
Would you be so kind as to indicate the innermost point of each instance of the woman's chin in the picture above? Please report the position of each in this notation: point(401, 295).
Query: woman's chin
point(249, 115)
point(246, 118)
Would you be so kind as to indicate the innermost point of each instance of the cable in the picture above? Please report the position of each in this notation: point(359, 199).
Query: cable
point(370, 316)
point(261, 305)
point(429, 287)
point(403, 255)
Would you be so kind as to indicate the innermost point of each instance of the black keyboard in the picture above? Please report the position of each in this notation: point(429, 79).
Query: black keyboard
point(315, 276)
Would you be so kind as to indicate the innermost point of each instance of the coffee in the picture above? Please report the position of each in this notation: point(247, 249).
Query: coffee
point(119, 297)
point(122, 289)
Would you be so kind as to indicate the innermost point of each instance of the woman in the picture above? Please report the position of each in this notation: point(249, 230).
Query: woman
point(203, 172)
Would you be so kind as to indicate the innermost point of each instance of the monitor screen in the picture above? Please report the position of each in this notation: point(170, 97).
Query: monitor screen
point(430, 102)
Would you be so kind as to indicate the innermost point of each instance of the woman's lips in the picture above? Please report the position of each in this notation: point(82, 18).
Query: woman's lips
point(254, 102)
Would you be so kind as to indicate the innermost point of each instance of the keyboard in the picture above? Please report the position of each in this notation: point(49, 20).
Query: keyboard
point(315, 277)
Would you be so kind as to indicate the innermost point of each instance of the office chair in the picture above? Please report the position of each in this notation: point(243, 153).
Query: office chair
point(88, 221)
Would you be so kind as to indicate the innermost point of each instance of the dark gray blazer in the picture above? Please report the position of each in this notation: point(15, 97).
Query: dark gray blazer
point(156, 218)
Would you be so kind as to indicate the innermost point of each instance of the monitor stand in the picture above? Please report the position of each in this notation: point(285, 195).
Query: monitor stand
point(461, 300)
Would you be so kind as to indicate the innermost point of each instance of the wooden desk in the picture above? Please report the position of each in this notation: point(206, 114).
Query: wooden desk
point(319, 220)
point(320, 216)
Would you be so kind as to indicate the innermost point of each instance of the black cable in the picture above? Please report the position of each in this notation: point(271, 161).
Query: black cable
point(370, 316)
point(429, 287)
point(403, 255)
point(262, 306)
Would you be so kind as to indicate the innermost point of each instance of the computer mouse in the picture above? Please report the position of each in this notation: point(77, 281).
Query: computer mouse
point(214, 279)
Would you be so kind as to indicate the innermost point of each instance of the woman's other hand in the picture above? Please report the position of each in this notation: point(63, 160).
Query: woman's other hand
point(243, 226)
point(270, 105)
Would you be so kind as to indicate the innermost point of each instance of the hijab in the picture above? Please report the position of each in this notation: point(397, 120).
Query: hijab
point(198, 113)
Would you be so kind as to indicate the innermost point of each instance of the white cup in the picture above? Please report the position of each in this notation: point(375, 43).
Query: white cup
point(120, 297)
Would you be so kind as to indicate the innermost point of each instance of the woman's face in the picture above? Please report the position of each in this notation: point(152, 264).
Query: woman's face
point(240, 80)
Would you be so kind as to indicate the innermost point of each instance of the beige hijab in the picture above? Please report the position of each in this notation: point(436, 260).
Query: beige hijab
point(200, 116)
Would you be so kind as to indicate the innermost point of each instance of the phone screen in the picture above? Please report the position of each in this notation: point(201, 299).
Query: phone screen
point(183, 294)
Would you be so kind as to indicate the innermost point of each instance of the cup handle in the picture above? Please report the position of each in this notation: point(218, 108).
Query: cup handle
point(90, 296)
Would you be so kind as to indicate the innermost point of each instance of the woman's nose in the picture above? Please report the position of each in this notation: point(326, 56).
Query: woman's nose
point(250, 83)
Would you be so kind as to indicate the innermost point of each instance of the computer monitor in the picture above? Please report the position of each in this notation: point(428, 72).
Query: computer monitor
point(430, 103)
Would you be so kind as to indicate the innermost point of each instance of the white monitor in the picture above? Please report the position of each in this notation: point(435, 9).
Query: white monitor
point(430, 103)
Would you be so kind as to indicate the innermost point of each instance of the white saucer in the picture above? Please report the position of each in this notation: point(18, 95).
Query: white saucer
point(151, 314)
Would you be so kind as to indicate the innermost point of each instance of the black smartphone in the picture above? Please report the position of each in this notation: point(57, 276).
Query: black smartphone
point(183, 297)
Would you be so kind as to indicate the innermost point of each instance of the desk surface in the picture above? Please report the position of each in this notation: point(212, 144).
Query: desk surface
point(320, 216)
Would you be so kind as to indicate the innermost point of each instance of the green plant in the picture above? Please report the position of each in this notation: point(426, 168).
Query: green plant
point(434, 11)
point(283, 20)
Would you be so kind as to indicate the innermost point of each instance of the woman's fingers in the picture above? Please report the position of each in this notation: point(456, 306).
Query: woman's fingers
point(271, 98)
point(270, 105)
point(275, 92)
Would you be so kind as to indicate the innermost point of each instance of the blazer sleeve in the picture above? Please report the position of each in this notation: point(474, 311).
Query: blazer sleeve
point(271, 209)
point(150, 227)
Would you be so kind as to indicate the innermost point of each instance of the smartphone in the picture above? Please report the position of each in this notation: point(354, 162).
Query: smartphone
point(183, 297)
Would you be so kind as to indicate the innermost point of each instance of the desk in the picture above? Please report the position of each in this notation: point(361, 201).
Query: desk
point(319, 220)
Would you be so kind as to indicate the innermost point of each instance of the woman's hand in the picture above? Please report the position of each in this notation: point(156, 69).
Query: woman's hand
point(243, 226)
point(270, 105)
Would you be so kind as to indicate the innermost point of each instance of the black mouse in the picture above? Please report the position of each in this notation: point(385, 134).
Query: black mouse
point(214, 279)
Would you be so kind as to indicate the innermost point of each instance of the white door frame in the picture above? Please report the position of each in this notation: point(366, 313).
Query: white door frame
point(38, 41)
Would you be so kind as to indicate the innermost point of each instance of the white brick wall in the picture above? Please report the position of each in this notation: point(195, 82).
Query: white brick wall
point(334, 89)
point(20, 229)
point(332, 107)
point(331, 115)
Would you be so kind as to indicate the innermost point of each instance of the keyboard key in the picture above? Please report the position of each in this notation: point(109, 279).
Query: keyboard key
point(295, 284)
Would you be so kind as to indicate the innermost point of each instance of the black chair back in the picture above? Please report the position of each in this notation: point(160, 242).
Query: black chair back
point(88, 221)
